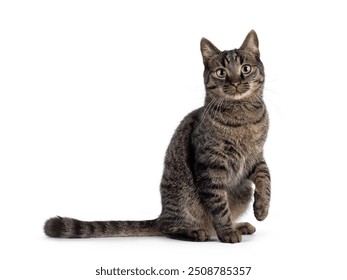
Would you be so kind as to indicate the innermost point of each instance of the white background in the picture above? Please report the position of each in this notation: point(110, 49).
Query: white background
point(90, 95)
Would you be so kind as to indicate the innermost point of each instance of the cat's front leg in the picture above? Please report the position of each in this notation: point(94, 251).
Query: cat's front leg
point(212, 189)
point(262, 193)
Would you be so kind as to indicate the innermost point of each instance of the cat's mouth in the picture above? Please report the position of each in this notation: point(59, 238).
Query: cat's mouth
point(236, 90)
point(237, 93)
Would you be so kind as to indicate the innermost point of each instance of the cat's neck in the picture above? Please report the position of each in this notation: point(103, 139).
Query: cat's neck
point(235, 112)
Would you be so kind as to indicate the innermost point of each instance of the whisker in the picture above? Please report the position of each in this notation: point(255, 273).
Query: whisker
point(207, 109)
point(272, 91)
point(273, 105)
point(220, 105)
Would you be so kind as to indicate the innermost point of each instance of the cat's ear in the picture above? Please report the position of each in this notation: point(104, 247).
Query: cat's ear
point(208, 50)
point(251, 43)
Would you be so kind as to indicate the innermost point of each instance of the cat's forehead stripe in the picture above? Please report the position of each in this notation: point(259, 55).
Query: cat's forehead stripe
point(232, 56)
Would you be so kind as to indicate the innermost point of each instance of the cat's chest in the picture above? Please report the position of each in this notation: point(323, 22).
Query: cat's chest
point(239, 146)
point(245, 141)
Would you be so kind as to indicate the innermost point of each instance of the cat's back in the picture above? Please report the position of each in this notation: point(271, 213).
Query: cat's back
point(181, 140)
point(178, 163)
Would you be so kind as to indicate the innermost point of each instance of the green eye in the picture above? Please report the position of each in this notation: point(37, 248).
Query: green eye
point(246, 69)
point(221, 73)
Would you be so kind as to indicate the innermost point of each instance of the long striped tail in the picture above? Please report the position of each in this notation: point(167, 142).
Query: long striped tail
point(72, 228)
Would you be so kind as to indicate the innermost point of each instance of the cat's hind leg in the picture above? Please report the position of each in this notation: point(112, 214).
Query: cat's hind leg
point(245, 228)
point(187, 234)
point(178, 228)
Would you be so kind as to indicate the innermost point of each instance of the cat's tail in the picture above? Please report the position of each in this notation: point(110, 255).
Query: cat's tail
point(72, 228)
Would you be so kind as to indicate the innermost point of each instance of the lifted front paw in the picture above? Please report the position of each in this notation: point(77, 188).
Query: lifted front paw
point(231, 236)
point(261, 210)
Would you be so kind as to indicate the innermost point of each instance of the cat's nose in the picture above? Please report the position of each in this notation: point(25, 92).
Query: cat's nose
point(235, 84)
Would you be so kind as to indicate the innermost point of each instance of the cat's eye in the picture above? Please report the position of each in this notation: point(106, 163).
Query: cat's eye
point(246, 69)
point(221, 73)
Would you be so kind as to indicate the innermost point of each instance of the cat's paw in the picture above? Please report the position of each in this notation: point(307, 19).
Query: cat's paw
point(261, 209)
point(188, 234)
point(199, 235)
point(231, 236)
point(245, 228)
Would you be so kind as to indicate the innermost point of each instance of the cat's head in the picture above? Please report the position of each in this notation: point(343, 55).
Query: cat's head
point(234, 74)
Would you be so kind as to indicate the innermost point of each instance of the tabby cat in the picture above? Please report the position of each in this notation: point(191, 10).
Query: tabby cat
point(213, 159)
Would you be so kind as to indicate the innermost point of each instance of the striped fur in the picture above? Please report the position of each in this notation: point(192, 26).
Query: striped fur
point(72, 228)
point(212, 162)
